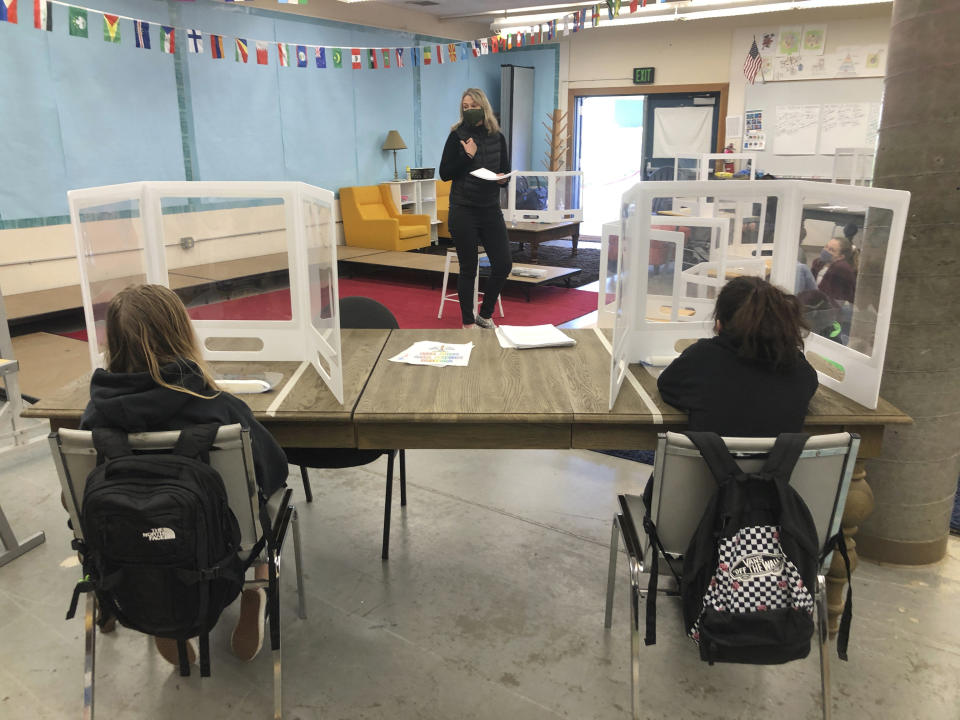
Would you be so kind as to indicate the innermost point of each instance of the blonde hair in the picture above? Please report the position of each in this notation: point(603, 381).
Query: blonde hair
point(147, 327)
point(489, 120)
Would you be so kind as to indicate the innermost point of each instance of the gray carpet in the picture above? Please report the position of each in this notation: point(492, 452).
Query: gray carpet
point(555, 253)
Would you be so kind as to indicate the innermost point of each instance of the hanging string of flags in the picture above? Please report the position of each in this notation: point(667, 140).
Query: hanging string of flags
point(299, 55)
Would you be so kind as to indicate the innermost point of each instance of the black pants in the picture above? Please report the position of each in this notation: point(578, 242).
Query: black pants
point(470, 227)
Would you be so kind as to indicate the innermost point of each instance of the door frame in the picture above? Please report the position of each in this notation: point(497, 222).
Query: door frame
point(574, 93)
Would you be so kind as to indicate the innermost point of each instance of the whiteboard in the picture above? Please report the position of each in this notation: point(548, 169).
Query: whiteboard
point(797, 129)
point(766, 97)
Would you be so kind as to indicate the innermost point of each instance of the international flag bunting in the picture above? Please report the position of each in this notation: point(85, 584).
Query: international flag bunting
point(194, 41)
point(509, 42)
point(43, 15)
point(283, 55)
point(355, 60)
point(609, 9)
point(216, 47)
point(494, 45)
point(752, 63)
point(552, 30)
point(415, 56)
point(263, 54)
point(321, 54)
point(452, 52)
point(633, 6)
point(111, 28)
point(399, 57)
point(301, 55)
point(439, 55)
point(385, 52)
point(168, 43)
point(426, 56)
point(337, 55)
point(8, 11)
point(477, 49)
point(77, 20)
point(240, 52)
point(141, 34)
point(371, 59)
point(484, 46)
point(595, 18)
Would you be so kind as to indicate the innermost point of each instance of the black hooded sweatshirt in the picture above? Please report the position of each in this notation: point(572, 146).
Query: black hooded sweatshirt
point(134, 402)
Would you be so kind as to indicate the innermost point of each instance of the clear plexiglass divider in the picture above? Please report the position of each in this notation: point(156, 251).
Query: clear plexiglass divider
point(255, 262)
point(543, 197)
point(671, 267)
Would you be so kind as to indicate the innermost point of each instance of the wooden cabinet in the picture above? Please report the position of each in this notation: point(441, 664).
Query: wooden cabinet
point(417, 197)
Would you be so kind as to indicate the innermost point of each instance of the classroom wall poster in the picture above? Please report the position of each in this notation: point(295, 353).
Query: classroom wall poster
point(797, 129)
point(814, 40)
point(767, 42)
point(790, 39)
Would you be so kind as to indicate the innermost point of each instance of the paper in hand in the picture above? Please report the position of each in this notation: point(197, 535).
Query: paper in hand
point(485, 174)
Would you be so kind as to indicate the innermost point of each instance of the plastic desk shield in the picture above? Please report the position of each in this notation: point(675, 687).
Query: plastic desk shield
point(211, 242)
point(853, 166)
point(754, 228)
point(547, 197)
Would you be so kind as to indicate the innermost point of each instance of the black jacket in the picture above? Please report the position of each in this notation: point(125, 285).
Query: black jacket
point(731, 396)
point(456, 165)
point(134, 402)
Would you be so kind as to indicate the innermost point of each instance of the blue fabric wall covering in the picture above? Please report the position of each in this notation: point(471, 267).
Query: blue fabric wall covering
point(83, 112)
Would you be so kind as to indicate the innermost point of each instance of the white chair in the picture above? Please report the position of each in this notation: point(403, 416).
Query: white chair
point(454, 297)
point(682, 486)
point(75, 456)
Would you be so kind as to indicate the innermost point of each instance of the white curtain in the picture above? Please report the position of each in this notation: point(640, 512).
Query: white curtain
point(682, 131)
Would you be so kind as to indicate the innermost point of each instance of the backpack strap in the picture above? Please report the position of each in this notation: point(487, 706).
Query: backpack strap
point(784, 455)
point(110, 443)
point(183, 657)
point(839, 542)
point(715, 454)
point(650, 638)
point(195, 441)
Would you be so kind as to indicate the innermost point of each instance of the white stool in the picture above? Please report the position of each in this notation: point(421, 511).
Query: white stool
point(454, 297)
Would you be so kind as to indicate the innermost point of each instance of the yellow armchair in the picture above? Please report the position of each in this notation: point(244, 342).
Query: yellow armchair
point(371, 220)
point(443, 207)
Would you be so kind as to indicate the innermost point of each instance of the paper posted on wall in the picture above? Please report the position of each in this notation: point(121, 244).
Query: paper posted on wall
point(435, 354)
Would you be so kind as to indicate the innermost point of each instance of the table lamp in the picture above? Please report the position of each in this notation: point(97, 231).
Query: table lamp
point(394, 142)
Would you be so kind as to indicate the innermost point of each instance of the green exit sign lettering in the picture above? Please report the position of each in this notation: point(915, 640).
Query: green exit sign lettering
point(643, 76)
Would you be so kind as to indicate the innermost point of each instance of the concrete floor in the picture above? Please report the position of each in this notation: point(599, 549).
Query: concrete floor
point(491, 606)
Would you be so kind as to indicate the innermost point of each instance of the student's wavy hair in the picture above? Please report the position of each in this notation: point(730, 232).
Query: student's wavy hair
point(848, 251)
point(148, 327)
point(765, 323)
point(480, 98)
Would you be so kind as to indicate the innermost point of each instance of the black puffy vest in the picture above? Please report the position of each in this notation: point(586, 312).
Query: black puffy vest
point(471, 191)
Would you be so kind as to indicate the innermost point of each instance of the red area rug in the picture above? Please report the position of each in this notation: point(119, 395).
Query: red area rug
point(414, 305)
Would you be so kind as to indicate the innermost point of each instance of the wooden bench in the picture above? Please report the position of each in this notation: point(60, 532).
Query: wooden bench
point(435, 263)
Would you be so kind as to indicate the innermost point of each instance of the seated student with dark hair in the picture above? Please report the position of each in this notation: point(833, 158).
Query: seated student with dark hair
point(155, 380)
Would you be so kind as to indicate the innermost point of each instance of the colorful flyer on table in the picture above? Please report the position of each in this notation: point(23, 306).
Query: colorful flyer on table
point(435, 354)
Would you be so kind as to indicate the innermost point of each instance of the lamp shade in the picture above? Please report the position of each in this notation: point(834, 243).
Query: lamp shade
point(394, 141)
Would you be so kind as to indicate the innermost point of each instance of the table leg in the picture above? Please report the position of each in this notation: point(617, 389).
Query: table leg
point(534, 249)
point(858, 508)
point(575, 237)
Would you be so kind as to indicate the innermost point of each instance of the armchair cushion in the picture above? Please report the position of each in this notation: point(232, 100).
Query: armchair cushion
point(371, 220)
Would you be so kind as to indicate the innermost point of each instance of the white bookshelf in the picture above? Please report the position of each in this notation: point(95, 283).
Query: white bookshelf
point(417, 197)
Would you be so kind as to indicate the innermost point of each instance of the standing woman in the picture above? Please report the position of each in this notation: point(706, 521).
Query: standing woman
point(475, 217)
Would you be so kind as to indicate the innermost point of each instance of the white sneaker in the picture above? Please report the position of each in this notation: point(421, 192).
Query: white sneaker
point(247, 636)
point(486, 323)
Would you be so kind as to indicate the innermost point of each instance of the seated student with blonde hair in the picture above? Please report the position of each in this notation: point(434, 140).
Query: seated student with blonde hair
point(155, 380)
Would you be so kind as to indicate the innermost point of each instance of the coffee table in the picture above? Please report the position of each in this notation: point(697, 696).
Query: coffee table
point(536, 233)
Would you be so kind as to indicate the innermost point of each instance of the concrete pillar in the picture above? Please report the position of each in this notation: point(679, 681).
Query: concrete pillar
point(919, 150)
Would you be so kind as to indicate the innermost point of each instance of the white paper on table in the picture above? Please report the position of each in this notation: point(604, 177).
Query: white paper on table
point(523, 337)
point(485, 174)
point(435, 354)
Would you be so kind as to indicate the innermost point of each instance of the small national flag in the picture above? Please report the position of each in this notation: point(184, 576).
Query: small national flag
point(356, 62)
point(338, 57)
point(8, 11)
point(552, 30)
point(77, 21)
point(168, 43)
point(439, 55)
point(633, 6)
point(476, 48)
point(216, 47)
point(415, 56)
point(301, 55)
point(752, 63)
point(484, 46)
point(240, 51)
point(141, 34)
point(111, 28)
point(194, 41)
point(426, 55)
point(43, 15)
point(321, 54)
point(399, 57)
point(371, 59)
point(494, 44)
point(263, 54)
point(283, 54)
point(452, 52)
point(610, 9)
point(385, 52)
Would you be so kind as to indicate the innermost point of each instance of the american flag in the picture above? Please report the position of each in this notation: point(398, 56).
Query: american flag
point(751, 66)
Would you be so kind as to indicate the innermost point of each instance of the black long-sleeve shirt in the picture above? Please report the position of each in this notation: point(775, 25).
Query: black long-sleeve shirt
point(456, 165)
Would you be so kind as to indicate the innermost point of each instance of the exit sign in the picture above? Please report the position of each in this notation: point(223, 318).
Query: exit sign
point(643, 76)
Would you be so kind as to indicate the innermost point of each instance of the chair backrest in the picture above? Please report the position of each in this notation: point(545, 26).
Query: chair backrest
point(683, 484)
point(366, 313)
point(75, 456)
point(363, 202)
point(443, 189)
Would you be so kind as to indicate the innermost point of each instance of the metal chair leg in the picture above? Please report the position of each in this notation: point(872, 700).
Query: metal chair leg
point(612, 571)
point(384, 553)
point(403, 478)
point(307, 490)
point(824, 646)
point(89, 656)
point(634, 637)
point(297, 559)
point(273, 600)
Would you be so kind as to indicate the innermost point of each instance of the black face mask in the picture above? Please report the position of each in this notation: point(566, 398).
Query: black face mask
point(472, 117)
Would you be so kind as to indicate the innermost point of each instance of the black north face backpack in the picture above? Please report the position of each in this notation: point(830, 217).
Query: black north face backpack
point(160, 541)
point(750, 571)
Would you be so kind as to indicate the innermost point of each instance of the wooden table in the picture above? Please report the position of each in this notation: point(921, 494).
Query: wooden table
point(553, 398)
point(536, 233)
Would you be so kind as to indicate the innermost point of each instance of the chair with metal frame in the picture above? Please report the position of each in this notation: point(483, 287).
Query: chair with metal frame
point(682, 486)
point(231, 456)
